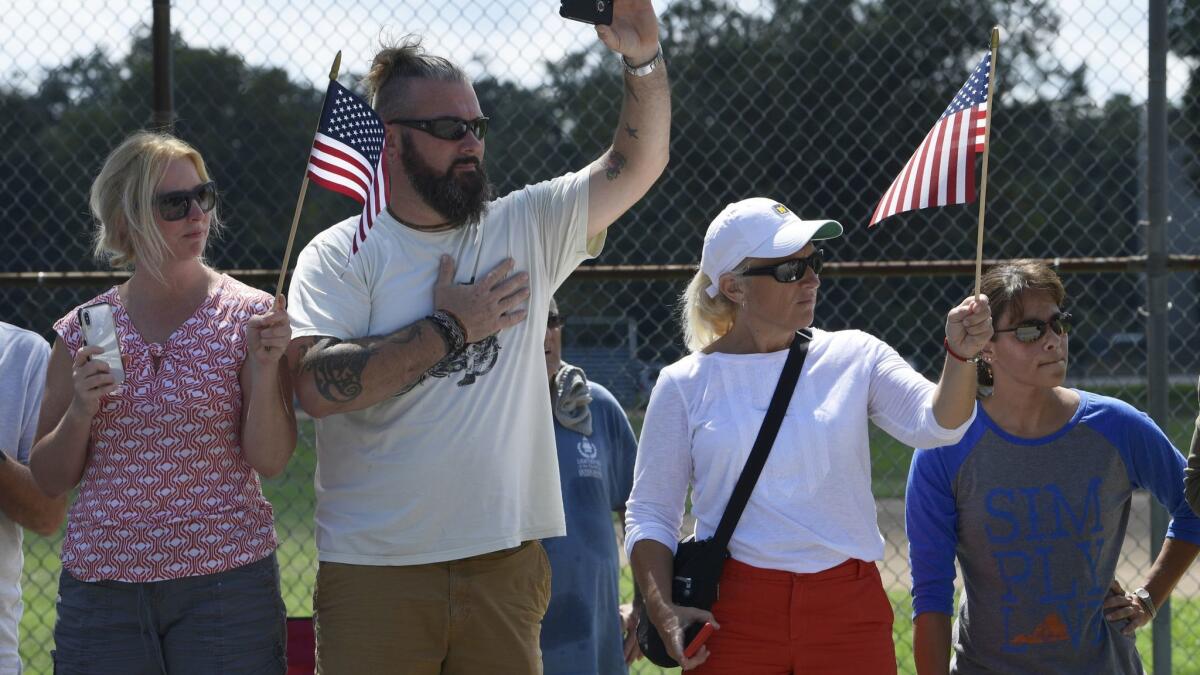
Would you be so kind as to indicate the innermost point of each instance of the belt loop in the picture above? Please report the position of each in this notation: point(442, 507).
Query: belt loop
point(862, 568)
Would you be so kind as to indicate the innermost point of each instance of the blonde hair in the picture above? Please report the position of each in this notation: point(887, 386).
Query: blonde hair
point(123, 196)
point(396, 65)
point(706, 318)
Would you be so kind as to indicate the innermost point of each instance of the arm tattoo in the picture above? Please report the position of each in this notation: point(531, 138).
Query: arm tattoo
point(614, 164)
point(338, 375)
point(631, 131)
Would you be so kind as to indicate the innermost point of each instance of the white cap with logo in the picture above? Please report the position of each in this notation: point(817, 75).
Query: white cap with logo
point(757, 228)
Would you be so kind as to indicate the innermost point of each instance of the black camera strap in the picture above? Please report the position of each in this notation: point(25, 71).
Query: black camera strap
point(766, 438)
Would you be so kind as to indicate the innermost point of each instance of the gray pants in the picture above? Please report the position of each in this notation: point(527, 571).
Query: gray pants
point(231, 622)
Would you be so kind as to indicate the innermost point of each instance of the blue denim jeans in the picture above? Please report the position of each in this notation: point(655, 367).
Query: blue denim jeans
point(227, 623)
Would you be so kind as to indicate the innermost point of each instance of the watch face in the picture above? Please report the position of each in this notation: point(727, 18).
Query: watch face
point(1147, 603)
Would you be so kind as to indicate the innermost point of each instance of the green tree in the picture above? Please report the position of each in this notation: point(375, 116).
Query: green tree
point(252, 124)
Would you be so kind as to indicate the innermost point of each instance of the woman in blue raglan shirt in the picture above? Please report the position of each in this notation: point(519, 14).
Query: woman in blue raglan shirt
point(1034, 501)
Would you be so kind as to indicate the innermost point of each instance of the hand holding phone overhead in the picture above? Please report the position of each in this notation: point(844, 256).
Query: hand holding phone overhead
point(598, 12)
point(628, 27)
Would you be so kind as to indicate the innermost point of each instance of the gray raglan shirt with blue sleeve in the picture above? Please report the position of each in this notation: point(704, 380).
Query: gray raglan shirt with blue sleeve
point(1037, 527)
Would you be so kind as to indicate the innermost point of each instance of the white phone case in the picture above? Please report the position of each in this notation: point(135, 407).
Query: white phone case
point(99, 329)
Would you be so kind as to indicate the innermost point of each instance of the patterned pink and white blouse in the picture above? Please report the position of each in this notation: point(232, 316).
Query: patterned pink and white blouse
point(167, 492)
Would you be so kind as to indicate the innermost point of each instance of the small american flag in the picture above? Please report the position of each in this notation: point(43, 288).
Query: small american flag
point(942, 170)
point(347, 156)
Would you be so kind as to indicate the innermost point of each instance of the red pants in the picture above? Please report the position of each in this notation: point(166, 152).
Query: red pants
point(835, 621)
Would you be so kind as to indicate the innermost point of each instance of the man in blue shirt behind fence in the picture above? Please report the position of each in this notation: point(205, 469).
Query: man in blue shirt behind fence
point(586, 631)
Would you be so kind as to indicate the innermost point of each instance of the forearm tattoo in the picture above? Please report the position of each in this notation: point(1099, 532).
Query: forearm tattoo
point(406, 335)
point(614, 164)
point(337, 373)
point(337, 366)
point(631, 131)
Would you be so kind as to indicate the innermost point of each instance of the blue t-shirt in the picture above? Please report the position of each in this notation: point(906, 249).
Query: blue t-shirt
point(581, 632)
point(1037, 526)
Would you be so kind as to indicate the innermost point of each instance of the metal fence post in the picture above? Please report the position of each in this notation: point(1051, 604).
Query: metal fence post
point(1156, 285)
point(164, 104)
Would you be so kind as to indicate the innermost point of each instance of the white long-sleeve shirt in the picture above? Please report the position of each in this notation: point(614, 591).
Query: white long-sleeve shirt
point(812, 507)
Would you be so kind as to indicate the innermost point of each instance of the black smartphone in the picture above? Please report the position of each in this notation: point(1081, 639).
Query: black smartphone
point(588, 11)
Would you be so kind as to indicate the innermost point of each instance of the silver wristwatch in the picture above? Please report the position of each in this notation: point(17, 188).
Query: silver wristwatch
point(1147, 602)
point(645, 68)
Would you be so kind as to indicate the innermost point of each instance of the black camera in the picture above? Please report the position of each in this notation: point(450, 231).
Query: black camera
point(596, 12)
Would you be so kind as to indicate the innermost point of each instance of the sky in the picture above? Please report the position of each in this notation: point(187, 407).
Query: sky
point(513, 36)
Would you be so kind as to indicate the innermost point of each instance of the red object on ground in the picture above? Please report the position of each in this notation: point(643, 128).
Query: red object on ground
point(301, 647)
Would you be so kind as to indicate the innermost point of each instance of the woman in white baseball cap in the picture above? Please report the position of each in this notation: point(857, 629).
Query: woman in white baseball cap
point(800, 591)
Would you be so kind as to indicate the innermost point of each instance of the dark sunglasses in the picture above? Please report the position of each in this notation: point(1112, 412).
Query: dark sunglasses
point(448, 128)
point(175, 205)
point(1032, 330)
point(555, 321)
point(790, 270)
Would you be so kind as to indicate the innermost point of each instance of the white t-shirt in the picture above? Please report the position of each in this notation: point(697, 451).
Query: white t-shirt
point(812, 506)
point(23, 359)
point(463, 463)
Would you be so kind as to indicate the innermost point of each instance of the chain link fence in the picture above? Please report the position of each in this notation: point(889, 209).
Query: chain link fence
point(817, 103)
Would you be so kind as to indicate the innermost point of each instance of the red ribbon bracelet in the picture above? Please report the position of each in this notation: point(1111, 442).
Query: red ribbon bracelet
point(946, 343)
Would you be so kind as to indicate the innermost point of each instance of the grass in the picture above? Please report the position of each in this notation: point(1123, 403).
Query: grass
point(292, 496)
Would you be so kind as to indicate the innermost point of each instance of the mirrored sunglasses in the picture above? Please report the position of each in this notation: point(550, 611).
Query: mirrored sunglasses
point(1032, 330)
point(554, 321)
point(792, 270)
point(176, 205)
point(448, 128)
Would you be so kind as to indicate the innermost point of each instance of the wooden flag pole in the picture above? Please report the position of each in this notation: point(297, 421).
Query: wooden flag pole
point(287, 252)
point(987, 146)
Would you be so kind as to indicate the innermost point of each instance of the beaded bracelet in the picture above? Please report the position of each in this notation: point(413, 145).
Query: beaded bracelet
point(450, 329)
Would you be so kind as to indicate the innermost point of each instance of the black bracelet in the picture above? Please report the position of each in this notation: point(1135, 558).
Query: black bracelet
point(457, 322)
point(451, 331)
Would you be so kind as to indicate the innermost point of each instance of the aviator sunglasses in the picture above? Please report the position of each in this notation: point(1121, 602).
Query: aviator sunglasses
point(792, 270)
point(555, 321)
point(175, 205)
point(448, 128)
point(1032, 330)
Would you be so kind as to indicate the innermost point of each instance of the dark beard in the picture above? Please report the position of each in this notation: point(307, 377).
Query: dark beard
point(462, 198)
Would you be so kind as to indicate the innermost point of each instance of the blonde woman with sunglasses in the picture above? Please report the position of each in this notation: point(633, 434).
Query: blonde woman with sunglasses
point(169, 557)
point(800, 591)
point(1034, 502)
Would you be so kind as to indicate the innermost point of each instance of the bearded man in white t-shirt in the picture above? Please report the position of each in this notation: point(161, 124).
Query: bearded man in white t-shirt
point(421, 356)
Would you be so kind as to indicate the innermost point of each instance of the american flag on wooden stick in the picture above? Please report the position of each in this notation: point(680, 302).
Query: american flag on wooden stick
point(942, 170)
point(347, 156)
